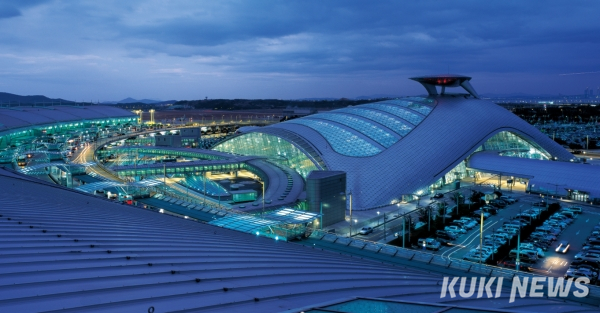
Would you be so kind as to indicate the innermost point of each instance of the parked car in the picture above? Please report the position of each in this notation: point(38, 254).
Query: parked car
point(455, 229)
point(576, 209)
point(548, 230)
point(590, 247)
point(524, 255)
point(477, 214)
point(508, 199)
point(578, 274)
point(505, 232)
point(430, 244)
point(569, 214)
point(552, 223)
point(498, 203)
point(593, 264)
point(490, 210)
point(587, 255)
point(523, 266)
point(446, 236)
point(438, 195)
point(476, 257)
point(366, 230)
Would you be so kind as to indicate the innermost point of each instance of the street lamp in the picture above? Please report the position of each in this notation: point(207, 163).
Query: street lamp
point(378, 220)
point(350, 198)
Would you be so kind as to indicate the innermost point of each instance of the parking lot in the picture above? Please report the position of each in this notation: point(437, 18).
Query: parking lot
point(552, 263)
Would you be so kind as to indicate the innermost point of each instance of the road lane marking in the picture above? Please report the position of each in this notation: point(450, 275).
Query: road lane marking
point(577, 233)
point(464, 245)
point(548, 271)
point(587, 220)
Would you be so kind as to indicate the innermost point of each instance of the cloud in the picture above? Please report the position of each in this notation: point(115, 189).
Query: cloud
point(169, 71)
point(353, 43)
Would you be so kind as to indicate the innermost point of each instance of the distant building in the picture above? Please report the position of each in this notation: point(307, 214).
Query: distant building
point(185, 137)
point(289, 111)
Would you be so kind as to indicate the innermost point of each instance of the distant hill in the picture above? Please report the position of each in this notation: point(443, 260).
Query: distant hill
point(16, 99)
point(144, 101)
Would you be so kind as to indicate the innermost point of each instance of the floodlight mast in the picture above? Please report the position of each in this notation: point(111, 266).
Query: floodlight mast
point(446, 80)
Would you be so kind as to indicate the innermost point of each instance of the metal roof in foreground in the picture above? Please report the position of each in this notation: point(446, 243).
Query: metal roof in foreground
point(63, 250)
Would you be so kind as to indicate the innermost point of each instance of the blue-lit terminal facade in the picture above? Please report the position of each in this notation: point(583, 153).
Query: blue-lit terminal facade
point(21, 124)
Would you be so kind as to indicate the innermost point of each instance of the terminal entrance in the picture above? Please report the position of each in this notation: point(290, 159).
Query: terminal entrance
point(578, 195)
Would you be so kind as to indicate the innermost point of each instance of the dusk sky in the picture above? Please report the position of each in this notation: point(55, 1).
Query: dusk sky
point(109, 50)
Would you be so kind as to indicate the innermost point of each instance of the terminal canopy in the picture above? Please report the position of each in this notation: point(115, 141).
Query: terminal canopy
point(252, 224)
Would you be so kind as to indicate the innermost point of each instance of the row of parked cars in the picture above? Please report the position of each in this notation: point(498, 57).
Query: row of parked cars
point(542, 237)
point(529, 251)
point(500, 237)
point(587, 262)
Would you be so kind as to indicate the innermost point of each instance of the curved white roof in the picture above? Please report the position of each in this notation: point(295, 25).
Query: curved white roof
point(16, 117)
point(407, 143)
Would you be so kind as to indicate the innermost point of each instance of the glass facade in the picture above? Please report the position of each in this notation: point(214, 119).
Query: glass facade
point(420, 99)
point(384, 119)
point(12, 136)
point(368, 129)
point(458, 172)
point(513, 145)
point(272, 147)
point(397, 111)
point(415, 106)
point(341, 140)
point(509, 144)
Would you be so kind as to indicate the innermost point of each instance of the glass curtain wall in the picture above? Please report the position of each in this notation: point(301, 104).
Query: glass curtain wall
point(458, 172)
point(272, 147)
point(512, 145)
point(508, 144)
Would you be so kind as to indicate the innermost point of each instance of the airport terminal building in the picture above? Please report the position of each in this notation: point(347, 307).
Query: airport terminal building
point(399, 149)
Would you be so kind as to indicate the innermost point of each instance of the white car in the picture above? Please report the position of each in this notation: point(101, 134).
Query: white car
point(455, 229)
point(366, 230)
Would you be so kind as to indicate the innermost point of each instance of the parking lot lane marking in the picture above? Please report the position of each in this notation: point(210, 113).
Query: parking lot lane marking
point(548, 271)
point(521, 206)
point(587, 220)
point(577, 232)
point(476, 234)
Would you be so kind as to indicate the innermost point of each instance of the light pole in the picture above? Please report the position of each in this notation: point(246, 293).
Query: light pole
point(263, 197)
point(384, 230)
point(378, 219)
point(518, 248)
point(350, 197)
point(480, 236)
point(321, 218)
point(429, 218)
point(403, 228)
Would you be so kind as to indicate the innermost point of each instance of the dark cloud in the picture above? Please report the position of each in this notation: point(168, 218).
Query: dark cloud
point(349, 41)
point(8, 11)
